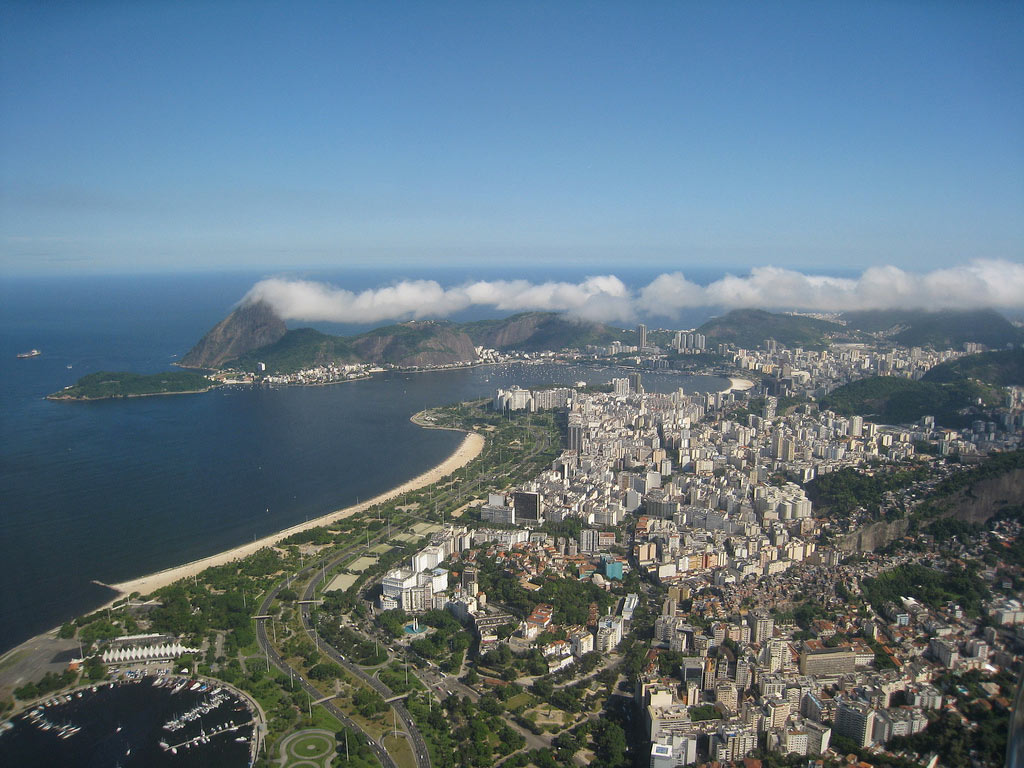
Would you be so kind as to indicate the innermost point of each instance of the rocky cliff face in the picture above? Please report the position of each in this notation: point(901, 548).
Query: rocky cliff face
point(985, 498)
point(870, 537)
point(540, 331)
point(512, 333)
point(249, 327)
point(974, 504)
point(412, 344)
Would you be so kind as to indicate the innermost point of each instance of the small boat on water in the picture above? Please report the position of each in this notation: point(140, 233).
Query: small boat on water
point(30, 353)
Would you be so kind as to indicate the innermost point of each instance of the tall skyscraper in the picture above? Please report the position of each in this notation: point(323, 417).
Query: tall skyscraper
point(641, 332)
point(575, 434)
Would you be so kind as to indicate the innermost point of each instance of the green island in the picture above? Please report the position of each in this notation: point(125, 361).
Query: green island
point(104, 385)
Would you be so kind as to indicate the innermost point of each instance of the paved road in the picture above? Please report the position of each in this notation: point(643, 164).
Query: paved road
point(313, 692)
point(419, 746)
point(34, 658)
point(413, 734)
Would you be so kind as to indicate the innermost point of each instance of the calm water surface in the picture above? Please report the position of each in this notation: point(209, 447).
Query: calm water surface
point(112, 490)
point(123, 725)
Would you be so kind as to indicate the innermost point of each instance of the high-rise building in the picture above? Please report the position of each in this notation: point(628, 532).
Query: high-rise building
point(708, 678)
point(526, 505)
point(641, 333)
point(763, 626)
point(855, 720)
point(725, 694)
point(588, 540)
point(575, 434)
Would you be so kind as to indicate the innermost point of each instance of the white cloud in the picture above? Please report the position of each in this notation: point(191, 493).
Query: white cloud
point(597, 298)
point(997, 284)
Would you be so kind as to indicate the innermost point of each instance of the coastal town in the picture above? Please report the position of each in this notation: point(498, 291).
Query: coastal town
point(681, 579)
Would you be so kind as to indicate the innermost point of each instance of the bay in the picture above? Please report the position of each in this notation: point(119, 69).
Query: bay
point(111, 490)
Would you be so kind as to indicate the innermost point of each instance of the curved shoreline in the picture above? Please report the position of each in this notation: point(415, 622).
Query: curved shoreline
point(469, 449)
point(738, 385)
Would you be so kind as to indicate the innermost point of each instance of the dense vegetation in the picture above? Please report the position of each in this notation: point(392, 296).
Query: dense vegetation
point(942, 330)
point(542, 331)
point(997, 369)
point(961, 744)
point(571, 598)
point(849, 488)
point(105, 384)
point(749, 328)
point(893, 400)
point(929, 586)
point(296, 350)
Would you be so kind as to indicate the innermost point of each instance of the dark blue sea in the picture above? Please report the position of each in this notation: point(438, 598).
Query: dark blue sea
point(112, 490)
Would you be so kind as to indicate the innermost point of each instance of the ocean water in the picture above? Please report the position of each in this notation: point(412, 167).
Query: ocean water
point(110, 490)
point(122, 725)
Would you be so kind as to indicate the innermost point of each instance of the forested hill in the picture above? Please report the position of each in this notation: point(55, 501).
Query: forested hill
point(252, 334)
point(542, 331)
point(749, 328)
point(942, 330)
point(408, 344)
point(893, 400)
point(998, 369)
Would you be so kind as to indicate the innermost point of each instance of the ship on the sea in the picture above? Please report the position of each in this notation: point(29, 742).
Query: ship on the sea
point(31, 353)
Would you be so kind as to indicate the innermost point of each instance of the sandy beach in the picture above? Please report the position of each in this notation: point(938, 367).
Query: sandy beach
point(468, 450)
point(738, 385)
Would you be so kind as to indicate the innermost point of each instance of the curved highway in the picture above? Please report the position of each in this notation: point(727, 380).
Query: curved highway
point(419, 746)
point(261, 635)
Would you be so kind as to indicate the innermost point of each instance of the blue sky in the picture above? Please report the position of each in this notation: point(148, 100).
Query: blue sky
point(158, 135)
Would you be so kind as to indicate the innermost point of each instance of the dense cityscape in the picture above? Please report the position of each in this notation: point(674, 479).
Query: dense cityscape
point(512, 385)
point(689, 578)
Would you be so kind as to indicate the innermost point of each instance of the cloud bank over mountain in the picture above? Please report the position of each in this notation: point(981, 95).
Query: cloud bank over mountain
point(975, 285)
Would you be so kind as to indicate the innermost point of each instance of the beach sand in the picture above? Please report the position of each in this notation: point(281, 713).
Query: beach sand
point(470, 448)
point(739, 385)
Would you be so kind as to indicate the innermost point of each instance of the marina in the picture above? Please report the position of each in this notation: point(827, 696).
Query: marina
point(145, 721)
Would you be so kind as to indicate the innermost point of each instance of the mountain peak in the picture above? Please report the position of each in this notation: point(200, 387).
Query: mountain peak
point(250, 326)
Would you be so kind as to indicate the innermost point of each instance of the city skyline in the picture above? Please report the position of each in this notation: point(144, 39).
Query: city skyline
point(273, 136)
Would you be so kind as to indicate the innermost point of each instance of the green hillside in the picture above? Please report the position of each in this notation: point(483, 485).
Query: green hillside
point(943, 330)
point(106, 384)
point(749, 328)
point(298, 349)
point(543, 331)
point(893, 400)
point(405, 344)
point(997, 369)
